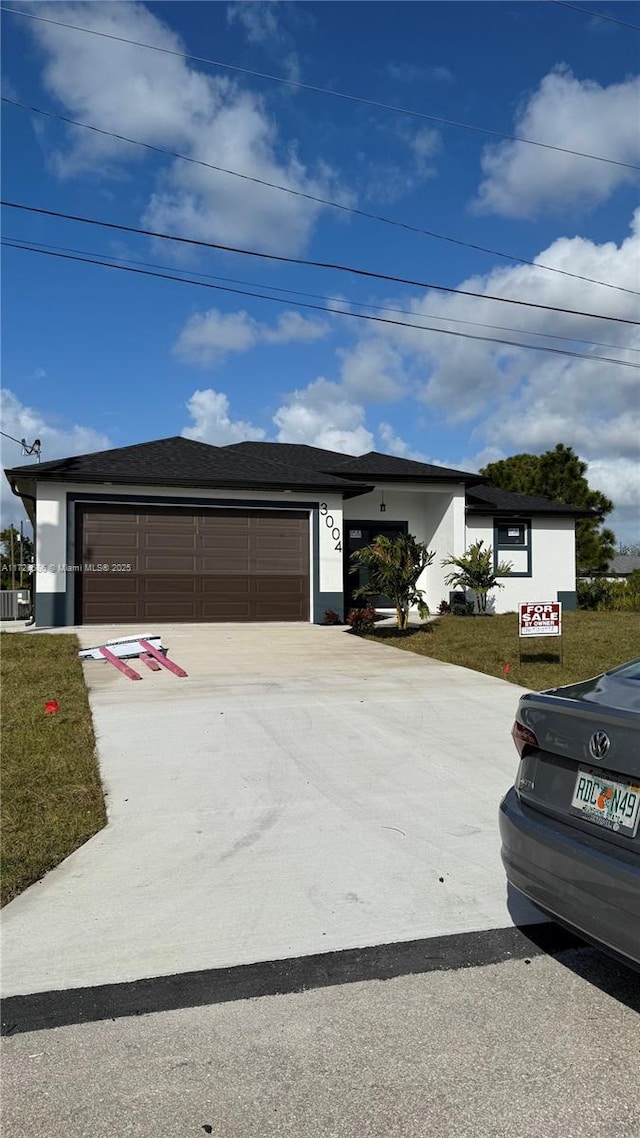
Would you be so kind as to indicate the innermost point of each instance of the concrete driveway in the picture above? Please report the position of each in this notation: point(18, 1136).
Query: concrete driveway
point(302, 791)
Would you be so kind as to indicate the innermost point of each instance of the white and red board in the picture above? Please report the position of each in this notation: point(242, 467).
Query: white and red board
point(540, 618)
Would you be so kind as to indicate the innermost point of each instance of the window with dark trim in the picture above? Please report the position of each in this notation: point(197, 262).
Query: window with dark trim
point(511, 535)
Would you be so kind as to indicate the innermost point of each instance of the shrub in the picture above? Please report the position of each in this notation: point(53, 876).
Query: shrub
point(602, 595)
point(331, 617)
point(444, 607)
point(362, 620)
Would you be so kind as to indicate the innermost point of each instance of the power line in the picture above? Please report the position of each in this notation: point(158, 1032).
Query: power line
point(308, 263)
point(321, 308)
point(28, 448)
point(6, 436)
point(331, 299)
point(312, 197)
point(321, 90)
point(597, 15)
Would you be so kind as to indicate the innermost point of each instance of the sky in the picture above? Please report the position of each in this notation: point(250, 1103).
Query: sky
point(94, 357)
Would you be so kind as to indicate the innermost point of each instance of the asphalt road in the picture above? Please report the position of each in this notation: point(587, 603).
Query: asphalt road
point(531, 1048)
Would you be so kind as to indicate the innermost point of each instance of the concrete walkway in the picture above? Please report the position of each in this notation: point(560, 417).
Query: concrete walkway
point(301, 791)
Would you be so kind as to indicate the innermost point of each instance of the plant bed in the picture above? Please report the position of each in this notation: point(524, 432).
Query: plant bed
point(52, 799)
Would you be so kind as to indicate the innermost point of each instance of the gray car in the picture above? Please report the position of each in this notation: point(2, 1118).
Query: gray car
point(570, 824)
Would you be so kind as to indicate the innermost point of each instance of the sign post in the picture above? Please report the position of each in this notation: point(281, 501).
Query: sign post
point(540, 618)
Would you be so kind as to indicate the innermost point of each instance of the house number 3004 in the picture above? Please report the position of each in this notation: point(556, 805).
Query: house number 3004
point(329, 521)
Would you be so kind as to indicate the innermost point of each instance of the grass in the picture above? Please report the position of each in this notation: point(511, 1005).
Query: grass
point(591, 643)
point(52, 799)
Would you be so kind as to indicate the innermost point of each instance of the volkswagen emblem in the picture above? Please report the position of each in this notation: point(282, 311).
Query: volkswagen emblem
point(599, 744)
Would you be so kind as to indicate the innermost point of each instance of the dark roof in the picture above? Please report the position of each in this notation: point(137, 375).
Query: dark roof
point(387, 466)
point(259, 465)
point(484, 499)
point(294, 454)
point(185, 462)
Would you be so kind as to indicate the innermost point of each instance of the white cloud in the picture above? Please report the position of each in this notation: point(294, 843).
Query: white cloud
point(389, 181)
point(258, 19)
point(26, 422)
point(321, 415)
point(372, 370)
point(163, 100)
point(292, 327)
point(508, 400)
point(208, 337)
point(209, 411)
point(262, 23)
point(393, 443)
point(523, 181)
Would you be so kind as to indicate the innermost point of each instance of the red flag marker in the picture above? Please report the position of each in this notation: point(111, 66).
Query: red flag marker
point(51, 705)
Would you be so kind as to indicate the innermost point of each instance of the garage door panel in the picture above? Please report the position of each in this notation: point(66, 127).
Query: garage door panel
point(166, 562)
point(207, 565)
point(113, 544)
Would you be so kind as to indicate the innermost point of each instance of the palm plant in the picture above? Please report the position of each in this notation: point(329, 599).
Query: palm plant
point(393, 566)
point(475, 571)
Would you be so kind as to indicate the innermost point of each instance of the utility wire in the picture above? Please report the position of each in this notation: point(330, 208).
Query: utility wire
point(307, 263)
point(4, 434)
point(321, 90)
point(321, 308)
point(597, 15)
point(311, 197)
point(330, 299)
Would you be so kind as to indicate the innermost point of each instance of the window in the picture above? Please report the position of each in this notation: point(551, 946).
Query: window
point(511, 533)
point(512, 543)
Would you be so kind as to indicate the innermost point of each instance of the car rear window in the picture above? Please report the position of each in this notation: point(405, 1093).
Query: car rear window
point(627, 671)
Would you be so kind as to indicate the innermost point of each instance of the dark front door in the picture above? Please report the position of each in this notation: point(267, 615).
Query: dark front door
point(358, 535)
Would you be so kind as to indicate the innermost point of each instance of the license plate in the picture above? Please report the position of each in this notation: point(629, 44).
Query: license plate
point(612, 803)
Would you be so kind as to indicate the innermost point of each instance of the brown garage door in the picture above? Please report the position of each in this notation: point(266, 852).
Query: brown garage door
point(183, 565)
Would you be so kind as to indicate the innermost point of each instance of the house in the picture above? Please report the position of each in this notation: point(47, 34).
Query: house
point(178, 530)
point(619, 568)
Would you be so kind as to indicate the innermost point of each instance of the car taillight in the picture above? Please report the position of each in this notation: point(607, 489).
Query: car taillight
point(523, 737)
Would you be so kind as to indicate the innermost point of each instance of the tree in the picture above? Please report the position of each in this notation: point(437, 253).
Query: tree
point(16, 557)
point(560, 475)
point(393, 566)
point(475, 570)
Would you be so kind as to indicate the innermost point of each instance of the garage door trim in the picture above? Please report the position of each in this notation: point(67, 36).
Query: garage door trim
point(74, 551)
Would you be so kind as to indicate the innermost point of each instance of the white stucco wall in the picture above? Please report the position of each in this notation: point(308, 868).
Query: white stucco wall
point(435, 516)
point(552, 561)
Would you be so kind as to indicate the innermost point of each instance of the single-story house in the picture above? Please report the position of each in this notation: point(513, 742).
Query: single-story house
point(619, 568)
point(178, 530)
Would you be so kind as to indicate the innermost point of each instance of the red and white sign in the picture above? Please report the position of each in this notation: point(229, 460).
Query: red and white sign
point(540, 618)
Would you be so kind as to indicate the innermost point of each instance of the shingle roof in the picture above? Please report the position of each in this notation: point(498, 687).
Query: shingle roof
point(293, 454)
point(623, 563)
point(388, 466)
point(484, 499)
point(253, 465)
point(185, 462)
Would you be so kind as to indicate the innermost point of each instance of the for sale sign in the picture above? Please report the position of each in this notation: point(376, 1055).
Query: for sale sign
point(540, 618)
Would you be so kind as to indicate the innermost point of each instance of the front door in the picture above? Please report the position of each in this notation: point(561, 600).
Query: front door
point(358, 535)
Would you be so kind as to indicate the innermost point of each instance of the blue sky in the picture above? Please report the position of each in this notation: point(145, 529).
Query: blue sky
point(94, 358)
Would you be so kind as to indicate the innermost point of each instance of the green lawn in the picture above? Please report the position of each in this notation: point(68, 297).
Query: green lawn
point(591, 643)
point(52, 797)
